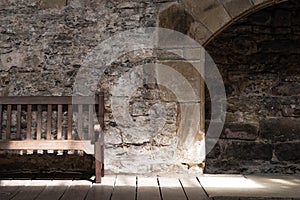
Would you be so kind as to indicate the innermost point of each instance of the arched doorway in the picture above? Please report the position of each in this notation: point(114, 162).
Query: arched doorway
point(258, 58)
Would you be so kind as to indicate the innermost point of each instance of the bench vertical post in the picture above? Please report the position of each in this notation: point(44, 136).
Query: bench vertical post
point(99, 146)
point(39, 123)
point(102, 133)
point(59, 122)
point(49, 120)
point(19, 110)
point(8, 122)
point(0, 121)
point(29, 120)
point(70, 118)
point(98, 163)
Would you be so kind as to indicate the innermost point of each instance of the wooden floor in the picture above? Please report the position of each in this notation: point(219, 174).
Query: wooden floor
point(112, 187)
point(215, 187)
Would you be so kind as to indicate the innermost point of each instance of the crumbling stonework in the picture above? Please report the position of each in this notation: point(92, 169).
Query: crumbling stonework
point(43, 44)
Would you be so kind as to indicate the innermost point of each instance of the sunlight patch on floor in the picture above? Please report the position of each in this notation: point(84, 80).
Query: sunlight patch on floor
point(228, 182)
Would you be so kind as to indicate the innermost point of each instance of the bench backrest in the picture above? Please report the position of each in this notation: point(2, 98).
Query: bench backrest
point(50, 117)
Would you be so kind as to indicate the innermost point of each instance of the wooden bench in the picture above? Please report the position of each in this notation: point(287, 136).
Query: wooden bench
point(54, 123)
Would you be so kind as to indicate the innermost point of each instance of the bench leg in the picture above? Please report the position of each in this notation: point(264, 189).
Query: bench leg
point(99, 170)
point(102, 159)
point(102, 170)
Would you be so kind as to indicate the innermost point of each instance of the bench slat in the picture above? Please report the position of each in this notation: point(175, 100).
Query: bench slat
point(91, 122)
point(45, 100)
point(70, 121)
point(100, 112)
point(19, 121)
point(0, 122)
point(39, 122)
point(29, 119)
point(8, 121)
point(59, 122)
point(80, 121)
point(83, 145)
point(49, 120)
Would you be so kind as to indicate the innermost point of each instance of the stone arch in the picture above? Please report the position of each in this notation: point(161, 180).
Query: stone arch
point(242, 59)
point(210, 17)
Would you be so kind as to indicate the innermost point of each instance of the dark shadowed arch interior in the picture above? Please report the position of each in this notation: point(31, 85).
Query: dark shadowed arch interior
point(258, 57)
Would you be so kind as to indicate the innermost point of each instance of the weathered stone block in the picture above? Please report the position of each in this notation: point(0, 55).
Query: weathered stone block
point(199, 32)
point(288, 151)
point(241, 116)
point(211, 13)
point(46, 4)
point(243, 131)
point(289, 46)
point(170, 54)
point(166, 95)
point(234, 130)
point(257, 2)
point(286, 89)
point(128, 5)
point(236, 7)
point(113, 136)
point(193, 54)
point(280, 129)
point(282, 31)
point(262, 29)
point(13, 59)
point(248, 151)
point(216, 18)
point(187, 70)
point(244, 45)
point(175, 18)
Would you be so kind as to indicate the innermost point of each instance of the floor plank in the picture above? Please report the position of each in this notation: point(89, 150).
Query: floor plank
point(8, 191)
point(28, 192)
point(171, 189)
point(125, 188)
point(193, 189)
point(148, 189)
point(54, 190)
point(77, 190)
point(103, 190)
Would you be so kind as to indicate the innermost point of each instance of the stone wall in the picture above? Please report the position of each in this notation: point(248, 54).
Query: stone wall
point(259, 60)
